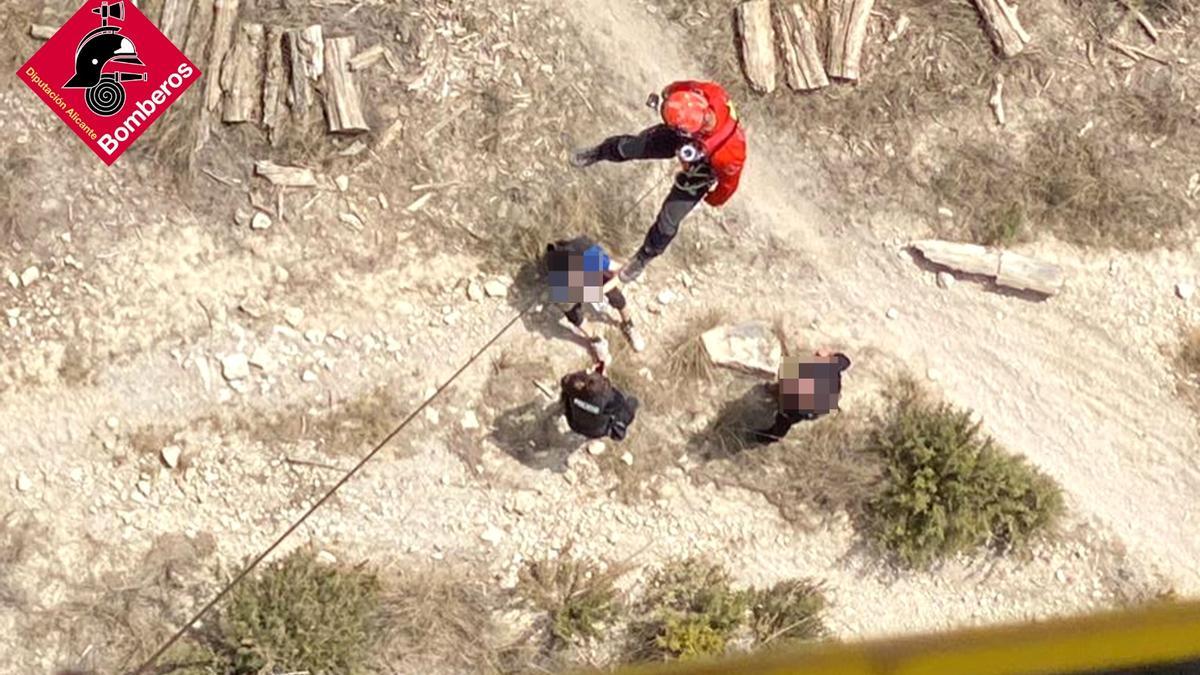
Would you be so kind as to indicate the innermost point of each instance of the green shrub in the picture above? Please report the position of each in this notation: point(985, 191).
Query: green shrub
point(789, 610)
point(301, 615)
point(947, 490)
point(693, 611)
point(576, 594)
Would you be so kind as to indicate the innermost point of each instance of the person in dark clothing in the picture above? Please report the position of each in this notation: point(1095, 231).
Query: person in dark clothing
point(594, 407)
point(581, 272)
point(700, 127)
point(808, 388)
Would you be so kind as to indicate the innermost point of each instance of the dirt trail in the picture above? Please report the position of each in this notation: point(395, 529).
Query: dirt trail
point(1050, 380)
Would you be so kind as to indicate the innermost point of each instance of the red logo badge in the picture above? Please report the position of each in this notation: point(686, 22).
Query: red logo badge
point(108, 73)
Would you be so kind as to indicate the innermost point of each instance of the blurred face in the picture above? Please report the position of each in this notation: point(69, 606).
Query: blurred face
point(569, 283)
point(809, 383)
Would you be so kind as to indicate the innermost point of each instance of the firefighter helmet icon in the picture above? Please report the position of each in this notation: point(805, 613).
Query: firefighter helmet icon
point(100, 48)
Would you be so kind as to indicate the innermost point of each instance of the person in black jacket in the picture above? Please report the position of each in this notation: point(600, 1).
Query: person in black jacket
point(808, 388)
point(594, 407)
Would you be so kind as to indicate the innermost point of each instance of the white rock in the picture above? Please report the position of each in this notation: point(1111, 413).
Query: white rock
point(975, 417)
point(343, 183)
point(340, 334)
point(475, 291)
point(23, 483)
point(170, 456)
point(933, 374)
point(143, 486)
point(293, 315)
point(314, 335)
point(492, 535)
point(750, 347)
point(596, 447)
point(495, 289)
point(327, 557)
point(1060, 575)
point(686, 280)
point(666, 297)
point(262, 359)
point(893, 313)
point(281, 274)
point(945, 212)
point(627, 458)
point(945, 279)
point(308, 376)
point(470, 420)
point(235, 366)
point(112, 423)
point(1185, 289)
point(450, 319)
point(13, 279)
point(260, 221)
point(30, 275)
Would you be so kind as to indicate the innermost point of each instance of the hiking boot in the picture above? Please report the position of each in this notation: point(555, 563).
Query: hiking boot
point(585, 157)
point(634, 336)
point(632, 270)
point(601, 352)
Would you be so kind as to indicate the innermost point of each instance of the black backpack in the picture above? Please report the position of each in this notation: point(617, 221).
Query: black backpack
point(608, 413)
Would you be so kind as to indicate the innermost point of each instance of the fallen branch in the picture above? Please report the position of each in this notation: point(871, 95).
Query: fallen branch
point(997, 99)
point(1142, 20)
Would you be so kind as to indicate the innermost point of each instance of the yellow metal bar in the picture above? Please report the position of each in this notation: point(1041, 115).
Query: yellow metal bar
point(1161, 634)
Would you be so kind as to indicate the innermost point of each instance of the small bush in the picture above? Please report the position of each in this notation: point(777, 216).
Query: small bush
point(947, 490)
point(301, 615)
point(789, 610)
point(693, 611)
point(576, 594)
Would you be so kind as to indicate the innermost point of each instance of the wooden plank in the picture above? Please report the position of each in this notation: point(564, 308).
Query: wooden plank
point(847, 31)
point(312, 47)
point(222, 36)
point(801, 52)
point(176, 15)
point(242, 75)
point(299, 94)
point(286, 176)
point(274, 83)
point(343, 103)
point(1000, 22)
point(969, 258)
point(1025, 273)
point(757, 39)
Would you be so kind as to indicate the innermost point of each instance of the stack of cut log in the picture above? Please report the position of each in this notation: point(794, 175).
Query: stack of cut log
point(267, 74)
point(799, 47)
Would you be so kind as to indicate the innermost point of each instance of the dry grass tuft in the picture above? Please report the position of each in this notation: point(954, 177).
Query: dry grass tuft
point(579, 598)
point(788, 612)
point(436, 619)
point(687, 362)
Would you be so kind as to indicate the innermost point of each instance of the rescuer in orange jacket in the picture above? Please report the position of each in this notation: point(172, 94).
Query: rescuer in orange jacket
point(700, 127)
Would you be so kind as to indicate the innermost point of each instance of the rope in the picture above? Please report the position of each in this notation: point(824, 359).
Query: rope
point(144, 669)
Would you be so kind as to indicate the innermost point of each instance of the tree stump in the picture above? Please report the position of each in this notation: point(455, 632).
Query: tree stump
point(242, 76)
point(343, 103)
point(222, 37)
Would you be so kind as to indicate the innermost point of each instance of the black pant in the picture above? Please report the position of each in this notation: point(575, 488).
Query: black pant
point(783, 424)
point(690, 186)
point(575, 314)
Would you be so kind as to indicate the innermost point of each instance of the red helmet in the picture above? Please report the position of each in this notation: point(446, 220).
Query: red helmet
point(685, 110)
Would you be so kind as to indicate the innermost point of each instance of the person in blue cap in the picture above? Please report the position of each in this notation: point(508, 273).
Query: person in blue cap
point(582, 272)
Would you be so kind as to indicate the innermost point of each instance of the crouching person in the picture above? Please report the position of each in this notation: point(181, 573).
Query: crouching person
point(594, 407)
point(808, 388)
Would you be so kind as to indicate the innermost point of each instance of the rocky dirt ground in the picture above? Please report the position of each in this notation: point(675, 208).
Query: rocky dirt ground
point(179, 386)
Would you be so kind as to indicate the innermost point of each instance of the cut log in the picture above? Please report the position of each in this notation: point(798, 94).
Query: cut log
point(242, 75)
point(801, 53)
point(200, 27)
point(847, 31)
point(365, 59)
point(176, 15)
point(758, 44)
point(343, 104)
point(1030, 274)
point(312, 46)
point(40, 32)
point(286, 176)
point(1002, 26)
point(299, 94)
point(274, 83)
point(969, 258)
point(222, 36)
